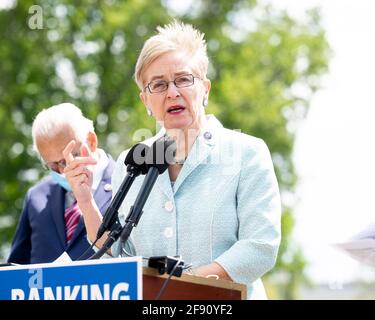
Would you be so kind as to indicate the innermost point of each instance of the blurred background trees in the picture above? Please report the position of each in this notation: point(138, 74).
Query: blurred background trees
point(265, 67)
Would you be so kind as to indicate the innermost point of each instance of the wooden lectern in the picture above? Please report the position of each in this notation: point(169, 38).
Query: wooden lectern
point(190, 287)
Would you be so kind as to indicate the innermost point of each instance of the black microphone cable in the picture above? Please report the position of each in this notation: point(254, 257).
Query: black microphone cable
point(166, 282)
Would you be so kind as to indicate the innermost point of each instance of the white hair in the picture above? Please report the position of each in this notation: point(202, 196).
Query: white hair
point(56, 119)
point(172, 37)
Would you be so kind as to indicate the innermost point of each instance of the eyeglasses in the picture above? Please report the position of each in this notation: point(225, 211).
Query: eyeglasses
point(183, 81)
point(55, 165)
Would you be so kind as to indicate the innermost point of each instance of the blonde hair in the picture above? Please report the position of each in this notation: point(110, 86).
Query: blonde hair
point(56, 119)
point(172, 37)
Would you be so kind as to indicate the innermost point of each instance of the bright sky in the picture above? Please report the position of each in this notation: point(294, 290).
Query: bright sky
point(334, 152)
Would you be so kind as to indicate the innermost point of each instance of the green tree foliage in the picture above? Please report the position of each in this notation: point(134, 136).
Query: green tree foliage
point(265, 67)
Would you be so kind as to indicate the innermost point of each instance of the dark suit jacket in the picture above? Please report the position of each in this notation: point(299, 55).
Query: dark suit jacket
point(40, 235)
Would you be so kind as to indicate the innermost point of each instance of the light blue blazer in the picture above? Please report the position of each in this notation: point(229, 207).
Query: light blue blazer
point(223, 207)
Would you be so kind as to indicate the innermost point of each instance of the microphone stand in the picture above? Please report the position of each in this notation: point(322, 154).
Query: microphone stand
point(133, 217)
point(161, 151)
point(135, 162)
point(161, 147)
point(111, 215)
point(113, 222)
point(112, 238)
point(136, 210)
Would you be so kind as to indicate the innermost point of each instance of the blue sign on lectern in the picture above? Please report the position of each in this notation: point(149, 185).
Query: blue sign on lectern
point(105, 279)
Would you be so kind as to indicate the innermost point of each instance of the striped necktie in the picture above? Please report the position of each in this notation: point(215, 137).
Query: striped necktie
point(72, 216)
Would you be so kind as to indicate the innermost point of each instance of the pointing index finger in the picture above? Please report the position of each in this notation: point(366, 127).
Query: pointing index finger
point(67, 152)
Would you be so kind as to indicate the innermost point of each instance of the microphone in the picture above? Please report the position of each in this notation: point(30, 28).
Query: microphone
point(136, 164)
point(158, 158)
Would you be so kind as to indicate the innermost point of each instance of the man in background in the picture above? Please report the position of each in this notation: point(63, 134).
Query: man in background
point(51, 222)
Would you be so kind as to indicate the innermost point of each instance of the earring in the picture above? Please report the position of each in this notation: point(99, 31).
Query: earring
point(205, 101)
point(149, 112)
